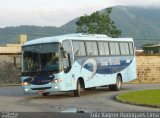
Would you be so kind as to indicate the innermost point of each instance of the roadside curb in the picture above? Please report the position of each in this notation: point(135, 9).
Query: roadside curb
point(137, 104)
point(142, 83)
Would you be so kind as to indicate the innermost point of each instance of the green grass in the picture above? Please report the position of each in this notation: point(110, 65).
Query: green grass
point(144, 97)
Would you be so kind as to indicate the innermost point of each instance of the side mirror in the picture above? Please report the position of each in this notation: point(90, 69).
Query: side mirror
point(65, 54)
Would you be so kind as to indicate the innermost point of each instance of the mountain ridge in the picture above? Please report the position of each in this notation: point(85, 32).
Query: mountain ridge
point(140, 23)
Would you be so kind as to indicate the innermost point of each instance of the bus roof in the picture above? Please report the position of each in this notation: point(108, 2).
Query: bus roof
point(75, 36)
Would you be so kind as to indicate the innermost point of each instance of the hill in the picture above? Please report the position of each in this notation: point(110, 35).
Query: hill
point(140, 23)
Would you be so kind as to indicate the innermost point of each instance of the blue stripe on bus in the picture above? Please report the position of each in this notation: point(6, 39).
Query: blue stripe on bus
point(39, 80)
point(105, 67)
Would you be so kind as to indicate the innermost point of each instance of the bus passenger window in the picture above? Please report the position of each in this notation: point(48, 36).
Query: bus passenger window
point(131, 48)
point(106, 48)
point(126, 48)
point(114, 48)
point(82, 49)
point(101, 48)
point(122, 49)
point(89, 48)
point(76, 48)
point(68, 48)
point(79, 48)
point(94, 48)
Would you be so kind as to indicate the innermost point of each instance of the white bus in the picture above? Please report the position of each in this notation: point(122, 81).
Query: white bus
point(73, 62)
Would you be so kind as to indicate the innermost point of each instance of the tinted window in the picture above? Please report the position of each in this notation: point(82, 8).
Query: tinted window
point(114, 48)
point(124, 48)
point(103, 48)
point(82, 49)
point(76, 49)
point(79, 48)
point(94, 48)
point(106, 48)
point(131, 48)
point(91, 48)
point(67, 47)
point(42, 48)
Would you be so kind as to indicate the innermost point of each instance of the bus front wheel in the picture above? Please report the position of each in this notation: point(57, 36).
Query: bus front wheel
point(118, 85)
point(77, 92)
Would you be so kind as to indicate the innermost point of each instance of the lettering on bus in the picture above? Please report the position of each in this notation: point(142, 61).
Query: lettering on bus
point(110, 62)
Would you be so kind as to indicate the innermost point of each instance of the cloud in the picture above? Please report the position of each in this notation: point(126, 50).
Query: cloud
point(44, 17)
point(57, 13)
point(40, 18)
point(141, 3)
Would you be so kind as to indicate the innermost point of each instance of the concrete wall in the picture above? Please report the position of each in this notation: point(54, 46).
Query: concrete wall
point(10, 48)
point(148, 68)
point(9, 74)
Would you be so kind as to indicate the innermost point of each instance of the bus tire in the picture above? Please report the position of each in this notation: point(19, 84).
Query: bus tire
point(45, 94)
point(118, 85)
point(77, 92)
point(110, 87)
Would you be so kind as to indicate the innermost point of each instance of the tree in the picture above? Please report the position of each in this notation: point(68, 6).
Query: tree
point(98, 23)
point(149, 46)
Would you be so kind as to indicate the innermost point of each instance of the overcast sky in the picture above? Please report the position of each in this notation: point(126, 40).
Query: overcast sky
point(57, 12)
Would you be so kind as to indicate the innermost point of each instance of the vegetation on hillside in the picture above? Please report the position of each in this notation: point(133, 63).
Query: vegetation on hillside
point(98, 23)
point(142, 24)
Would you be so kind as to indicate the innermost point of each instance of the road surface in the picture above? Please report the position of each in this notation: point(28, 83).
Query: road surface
point(12, 99)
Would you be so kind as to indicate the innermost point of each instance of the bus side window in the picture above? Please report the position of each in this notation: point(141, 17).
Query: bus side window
point(101, 48)
point(94, 49)
point(106, 48)
point(79, 48)
point(91, 48)
point(66, 61)
point(76, 48)
point(68, 48)
point(126, 48)
point(82, 48)
point(66, 64)
point(131, 48)
point(114, 48)
point(122, 48)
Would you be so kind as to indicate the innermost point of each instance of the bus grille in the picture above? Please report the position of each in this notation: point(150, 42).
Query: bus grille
point(42, 88)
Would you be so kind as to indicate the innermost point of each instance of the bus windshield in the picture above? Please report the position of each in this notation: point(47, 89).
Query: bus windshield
point(41, 58)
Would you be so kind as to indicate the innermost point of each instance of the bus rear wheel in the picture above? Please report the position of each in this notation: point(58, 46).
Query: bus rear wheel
point(77, 92)
point(118, 85)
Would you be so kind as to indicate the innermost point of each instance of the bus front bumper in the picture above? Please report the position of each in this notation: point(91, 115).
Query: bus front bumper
point(33, 89)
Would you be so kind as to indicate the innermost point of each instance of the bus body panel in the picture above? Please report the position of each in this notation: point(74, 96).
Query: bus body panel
point(94, 70)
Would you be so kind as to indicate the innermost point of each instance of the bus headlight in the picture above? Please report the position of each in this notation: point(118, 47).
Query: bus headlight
point(57, 80)
point(25, 83)
point(25, 90)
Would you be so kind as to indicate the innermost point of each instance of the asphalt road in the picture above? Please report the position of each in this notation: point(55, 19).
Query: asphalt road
point(12, 99)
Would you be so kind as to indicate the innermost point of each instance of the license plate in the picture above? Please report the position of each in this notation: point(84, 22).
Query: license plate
point(41, 91)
